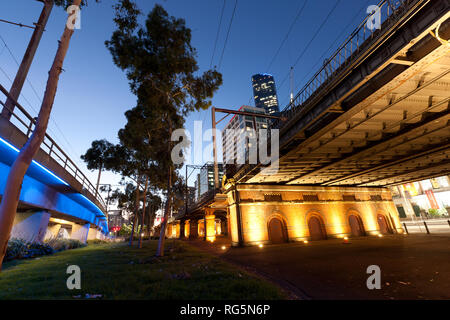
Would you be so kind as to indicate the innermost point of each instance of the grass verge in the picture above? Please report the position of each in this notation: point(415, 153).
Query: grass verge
point(117, 271)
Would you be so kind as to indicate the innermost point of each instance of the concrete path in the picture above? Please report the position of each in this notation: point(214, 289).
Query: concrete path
point(412, 266)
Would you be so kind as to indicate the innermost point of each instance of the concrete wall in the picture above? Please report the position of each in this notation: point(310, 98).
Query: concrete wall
point(80, 232)
point(30, 226)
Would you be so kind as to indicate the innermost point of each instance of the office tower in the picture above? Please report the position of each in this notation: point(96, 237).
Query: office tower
point(265, 93)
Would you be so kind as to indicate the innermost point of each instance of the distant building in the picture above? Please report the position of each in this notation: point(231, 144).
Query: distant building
point(265, 93)
point(206, 177)
point(191, 196)
point(197, 187)
point(233, 143)
point(420, 197)
point(115, 219)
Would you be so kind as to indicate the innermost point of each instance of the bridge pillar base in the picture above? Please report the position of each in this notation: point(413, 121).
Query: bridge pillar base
point(187, 229)
point(80, 232)
point(30, 226)
point(210, 227)
point(93, 234)
point(52, 231)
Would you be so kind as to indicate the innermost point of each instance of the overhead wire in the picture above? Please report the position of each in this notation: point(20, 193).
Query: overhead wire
point(218, 32)
point(311, 40)
point(299, 12)
point(332, 44)
point(39, 99)
point(228, 34)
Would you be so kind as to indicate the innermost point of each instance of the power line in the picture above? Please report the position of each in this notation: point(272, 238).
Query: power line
point(38, 97)
point(299, 12)
point(311, 40)
point(218, 32)
point(228, 33)
point(334, 42)
point(287, 34)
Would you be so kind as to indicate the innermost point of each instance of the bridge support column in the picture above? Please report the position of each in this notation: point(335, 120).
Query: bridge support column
point(30, 226)
point(201, 228)
point(176, 229)
point(93, 234)
point(52, 231)
point(210, 228)
point(218, 226)
point(187, 229)
point(80, 232)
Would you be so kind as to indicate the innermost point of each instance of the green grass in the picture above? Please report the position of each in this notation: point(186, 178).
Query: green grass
point(117, 271)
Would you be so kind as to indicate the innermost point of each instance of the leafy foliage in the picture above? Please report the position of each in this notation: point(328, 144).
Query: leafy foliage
point(99, 155)
point(22, 249)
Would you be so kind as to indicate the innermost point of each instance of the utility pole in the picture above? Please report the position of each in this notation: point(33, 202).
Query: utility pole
point(216, 165)
point(28, 57)
point(214, 124)
point(292, 84)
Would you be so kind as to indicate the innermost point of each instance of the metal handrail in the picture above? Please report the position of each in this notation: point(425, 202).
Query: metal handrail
point(346, 53)
point(50, 147)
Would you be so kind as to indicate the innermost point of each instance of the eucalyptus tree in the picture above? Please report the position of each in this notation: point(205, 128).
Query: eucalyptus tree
point(160, 64)
point(98, 157)
point(10, 199)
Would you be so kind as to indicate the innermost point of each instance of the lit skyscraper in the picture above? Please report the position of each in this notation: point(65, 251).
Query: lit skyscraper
point(265, 93)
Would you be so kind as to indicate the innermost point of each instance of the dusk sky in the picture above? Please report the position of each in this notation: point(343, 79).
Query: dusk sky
point(93, 93)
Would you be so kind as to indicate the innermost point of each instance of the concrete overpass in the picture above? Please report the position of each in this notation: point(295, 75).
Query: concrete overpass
point(375, 115)
point(56, 197)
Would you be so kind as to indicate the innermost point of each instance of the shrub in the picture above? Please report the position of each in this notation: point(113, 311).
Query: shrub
point(22, 249)
point(64, 244)
point(97, 241)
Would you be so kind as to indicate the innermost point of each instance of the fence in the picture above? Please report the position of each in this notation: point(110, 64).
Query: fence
point(346, 53)
point(25, 123)
point(429, 226)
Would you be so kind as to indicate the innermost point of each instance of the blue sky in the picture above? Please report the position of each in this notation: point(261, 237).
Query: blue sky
point(93, 93)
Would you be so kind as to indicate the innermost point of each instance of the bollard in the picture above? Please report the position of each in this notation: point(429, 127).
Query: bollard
point(426, 227)
point(406, 229)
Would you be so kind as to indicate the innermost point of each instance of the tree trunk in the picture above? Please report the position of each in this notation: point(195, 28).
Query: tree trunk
point(27, 60)
point(10, 200)
point(98, 178)
point(162, 234)
point(143, 213)
point(136, 209)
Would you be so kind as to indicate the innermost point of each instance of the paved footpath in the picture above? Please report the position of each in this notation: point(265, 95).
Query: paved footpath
point(412, 266)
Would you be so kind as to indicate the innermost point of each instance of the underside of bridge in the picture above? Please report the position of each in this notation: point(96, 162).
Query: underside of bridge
point(382, 119)
point(385, 123)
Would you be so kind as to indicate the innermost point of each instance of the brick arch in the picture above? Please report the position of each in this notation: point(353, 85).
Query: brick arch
point(272, 234)
point(316, 223)
point(315, 212)
point(356, 224)
point(383, 215)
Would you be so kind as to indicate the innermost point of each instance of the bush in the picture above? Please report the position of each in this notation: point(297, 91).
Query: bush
point(64, 244)
point(21, 249)
point(97, 241)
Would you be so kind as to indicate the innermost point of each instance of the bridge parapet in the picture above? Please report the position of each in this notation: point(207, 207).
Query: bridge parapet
point(17, 132)
point(344, 57)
